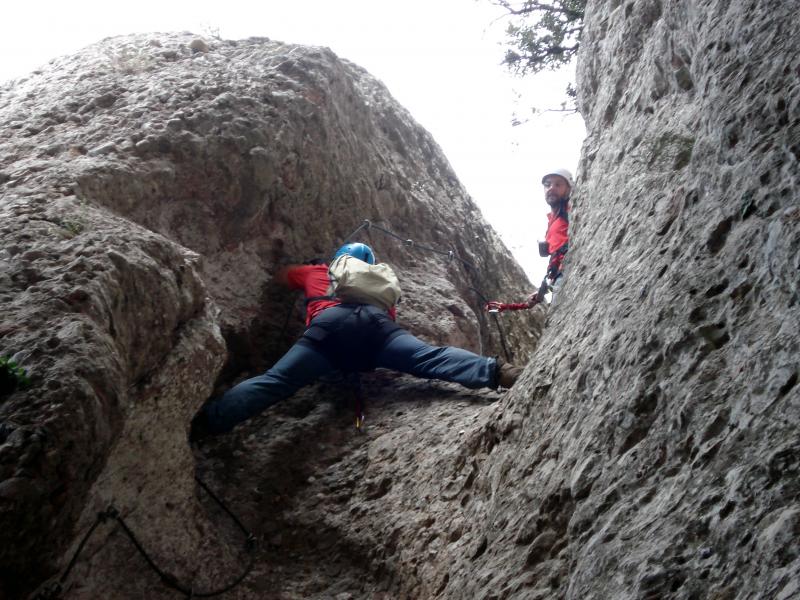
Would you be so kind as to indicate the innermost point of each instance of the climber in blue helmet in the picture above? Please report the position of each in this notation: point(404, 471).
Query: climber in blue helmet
point(356, 250)
point(348, 336)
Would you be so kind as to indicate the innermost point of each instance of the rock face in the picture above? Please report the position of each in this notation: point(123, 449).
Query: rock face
point(113, 325)
point(151, 187)
point(657, 453)
point(650, 450)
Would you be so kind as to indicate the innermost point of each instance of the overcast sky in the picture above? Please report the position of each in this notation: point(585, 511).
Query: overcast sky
point(439, 58)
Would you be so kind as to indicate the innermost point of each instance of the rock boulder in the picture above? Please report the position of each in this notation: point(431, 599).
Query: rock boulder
point(151, 187)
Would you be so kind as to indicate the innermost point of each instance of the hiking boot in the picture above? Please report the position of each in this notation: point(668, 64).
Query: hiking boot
point(507, 373)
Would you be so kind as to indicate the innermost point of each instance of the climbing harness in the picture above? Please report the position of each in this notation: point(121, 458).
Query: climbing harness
point(494, 306)
point(546, 286)
point(552, 274)
point(497, 307)
point(497, 324)
point(53, 591)
point(554, 266)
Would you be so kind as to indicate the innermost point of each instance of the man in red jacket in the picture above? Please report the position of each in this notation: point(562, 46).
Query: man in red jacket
point(557, 187)
point(349, 337)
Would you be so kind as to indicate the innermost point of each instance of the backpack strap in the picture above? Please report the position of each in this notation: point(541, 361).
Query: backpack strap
point(554, 265)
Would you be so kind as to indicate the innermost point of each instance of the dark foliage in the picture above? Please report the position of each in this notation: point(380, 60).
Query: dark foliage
point(12, 377)
point(543, 35)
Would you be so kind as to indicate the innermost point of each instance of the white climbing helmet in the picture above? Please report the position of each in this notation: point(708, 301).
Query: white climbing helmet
point(561, 173)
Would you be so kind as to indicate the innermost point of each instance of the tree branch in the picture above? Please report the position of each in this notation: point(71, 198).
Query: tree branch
point(532, 6)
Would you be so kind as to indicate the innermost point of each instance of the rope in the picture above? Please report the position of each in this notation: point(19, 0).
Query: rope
point(497, 323)
point(221, 504)
point(53, 592)
point(171, 580)
point(367, 224)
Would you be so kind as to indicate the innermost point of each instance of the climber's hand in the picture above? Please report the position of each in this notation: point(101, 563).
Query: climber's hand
point(494, 306)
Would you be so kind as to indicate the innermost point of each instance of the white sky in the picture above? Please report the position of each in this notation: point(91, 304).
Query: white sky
point(439, 58)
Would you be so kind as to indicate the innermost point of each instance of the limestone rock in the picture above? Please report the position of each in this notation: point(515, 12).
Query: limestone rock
point(650, 450)
point(151, 187)
point(661, 456)
point(114, 327)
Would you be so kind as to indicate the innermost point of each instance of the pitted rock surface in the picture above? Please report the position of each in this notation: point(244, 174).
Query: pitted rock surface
point(357, 515)
point(658, 455)
point(151, 187)
point(649, 450)
point(257, 154)
point(113, 324)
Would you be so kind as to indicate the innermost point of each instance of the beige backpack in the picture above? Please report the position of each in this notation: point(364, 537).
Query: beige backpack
point(357, 282)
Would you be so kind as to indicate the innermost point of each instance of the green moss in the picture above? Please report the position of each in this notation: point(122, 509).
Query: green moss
point(12, 377)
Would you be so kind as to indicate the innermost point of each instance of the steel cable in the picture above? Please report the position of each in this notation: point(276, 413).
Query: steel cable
point(53, 592)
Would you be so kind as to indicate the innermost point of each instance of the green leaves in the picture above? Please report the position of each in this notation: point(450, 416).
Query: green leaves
point(12, 377)
point(543, 35)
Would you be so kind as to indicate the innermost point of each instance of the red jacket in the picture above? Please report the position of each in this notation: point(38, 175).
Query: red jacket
point(556, 237)
point(313, 281)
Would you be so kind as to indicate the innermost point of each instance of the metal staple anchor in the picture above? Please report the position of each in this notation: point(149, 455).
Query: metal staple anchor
point(110, 513)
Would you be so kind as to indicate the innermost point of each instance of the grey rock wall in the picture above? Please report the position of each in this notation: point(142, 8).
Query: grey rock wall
point(255, 154)
point(650, 449)
point(114, 327)
point(151, 186)
point(657, 454)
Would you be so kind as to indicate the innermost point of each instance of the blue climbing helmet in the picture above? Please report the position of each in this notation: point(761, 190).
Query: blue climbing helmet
point(356, 250)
